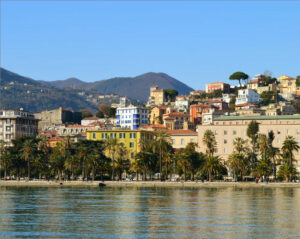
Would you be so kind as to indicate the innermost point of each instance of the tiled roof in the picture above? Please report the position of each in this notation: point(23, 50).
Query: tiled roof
point(153, 126)
point(181, 132)
point(246, 104)
point(168, 118)
point(178, 114)
point(260, 117)
point(91, 118)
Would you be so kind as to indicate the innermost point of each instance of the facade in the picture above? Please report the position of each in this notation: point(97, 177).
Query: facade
point(58, 116)
point(269, 88)
point(227, 128)
point(157, 113)
point(197, 110)
point(157, 96)
point(180, 138)
point(287, 85)
point(227, 97)
point(130, 138)
point(89, 120)
point(132, 117)
point(210, 115)
point(17, 123)
point(73, 130)
point(217, 86)
point(247, 96)
point(176, 120)
point(182, 103)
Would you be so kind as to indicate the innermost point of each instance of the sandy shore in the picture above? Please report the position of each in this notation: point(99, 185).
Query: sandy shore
point(144, 184)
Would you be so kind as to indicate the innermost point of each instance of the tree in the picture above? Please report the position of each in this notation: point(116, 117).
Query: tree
point(298, 81)
point(122, 163)
point(57, 160)
point(289, 146)
point(100, 114)
point(105, 109)
point(287, 171)
point(252, 133)
point(273, 153)
point(86, 113)
point(239, 76)
point(145, 162)
point(240, 145)
point(170, 94)
point(268, 97)
point(209, 140)
point(212, 166)
point(28, 152)
point(161, 145)
point(239, 164)
point(112, 145)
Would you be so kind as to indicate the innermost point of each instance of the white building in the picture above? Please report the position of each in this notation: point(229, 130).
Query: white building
point(226, 97)
point(247, 96)
point(182, 103)
point(132, 117)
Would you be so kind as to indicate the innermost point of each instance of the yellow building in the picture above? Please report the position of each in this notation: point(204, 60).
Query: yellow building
point(157, 113)
point(157, 96)
point(287, 85)
point(130, 138)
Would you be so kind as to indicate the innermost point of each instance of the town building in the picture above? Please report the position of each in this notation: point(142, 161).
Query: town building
point(287, 85)
point(89, 120)
point(154, 127)
point(182, 103)
point(227, 97)
point(176, 120)
point(248, 109)
point(247, 96)
point(217, 86)
point(180, 138)
point(156, 114)
point(227, 128)
point(197, 110)
point(73, 130)
point(132, 117)
point(17, 123)
point(130, 138)
point(58, 116)
point(210, 114)
point(157, 96)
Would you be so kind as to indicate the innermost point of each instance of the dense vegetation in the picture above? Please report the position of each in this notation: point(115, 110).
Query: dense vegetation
point(32, 157)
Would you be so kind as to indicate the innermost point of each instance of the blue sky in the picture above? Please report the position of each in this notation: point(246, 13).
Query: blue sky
point(196, 41)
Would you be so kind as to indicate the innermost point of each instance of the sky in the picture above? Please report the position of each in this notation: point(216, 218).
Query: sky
point(196, 42)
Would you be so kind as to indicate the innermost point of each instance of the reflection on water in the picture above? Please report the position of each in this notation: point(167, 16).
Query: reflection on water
point(149, 212)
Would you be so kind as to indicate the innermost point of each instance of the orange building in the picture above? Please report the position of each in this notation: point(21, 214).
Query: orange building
point(217, 86)
point(54, 140)
point(197, 110)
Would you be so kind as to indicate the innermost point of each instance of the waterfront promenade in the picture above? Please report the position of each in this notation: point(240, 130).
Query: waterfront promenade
point(199, 184)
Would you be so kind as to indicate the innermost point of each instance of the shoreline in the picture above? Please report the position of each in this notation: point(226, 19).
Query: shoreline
point(146, 184)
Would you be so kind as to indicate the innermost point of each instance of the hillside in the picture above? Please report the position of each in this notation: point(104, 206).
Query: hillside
point(124, 85)
point(18, 91)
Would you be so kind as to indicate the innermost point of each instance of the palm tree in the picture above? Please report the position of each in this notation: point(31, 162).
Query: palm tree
point(212, 165)
point(112, 145)
point(182, 162)
point(71, 163)
point(122, 163)
point(289, 146)
point(239, 164)
point(287, 171)
point(240, 145)
point(57, 160)
point(209, 140)
point(161, 145)
point(2, 152)
point(28, 153)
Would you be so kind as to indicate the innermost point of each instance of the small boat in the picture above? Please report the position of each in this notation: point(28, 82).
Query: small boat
point(102, 184)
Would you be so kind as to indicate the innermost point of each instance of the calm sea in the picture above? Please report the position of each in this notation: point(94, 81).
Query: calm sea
point(40, 212)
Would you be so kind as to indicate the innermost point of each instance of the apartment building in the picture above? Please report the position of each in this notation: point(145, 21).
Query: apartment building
point(17, 123)
point(217, 86)
point(197, 110)
point(247, 96)
point(157, 96)
point(227, 128)
point(132, 117)
point(182, 103)
point(156, 114)
point(180, 138)
point(130, 138)
point(176, 120)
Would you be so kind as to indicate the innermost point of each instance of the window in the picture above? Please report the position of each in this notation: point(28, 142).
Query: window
point(182, 141)
point(94, 135)
point(225, 141)
point(298, 131)
point(113, 135)
point(132, 155)
point(131, 145)
point(104, 135)
point(225, 132)
point(225, 150)
point(132, 135)
point(278, 131)
point(192, 140)
point(122, 135)
point(278, 141)
point(287, 131)
point(7, 121)
point(216, 150)
point(234, 132)
point(216, 132)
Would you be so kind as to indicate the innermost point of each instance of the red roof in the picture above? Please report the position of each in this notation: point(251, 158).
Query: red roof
point(55, 138)
point(168, 118)
point(181, 132)
point(178, 114)
point(48, 132)
point(76, 126)
point(91, 118)
point(97, 123)
point(161, 126)
point(246, 104)
point(202, 106)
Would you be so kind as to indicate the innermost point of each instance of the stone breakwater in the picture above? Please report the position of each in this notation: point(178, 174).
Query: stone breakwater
point(42, 183)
